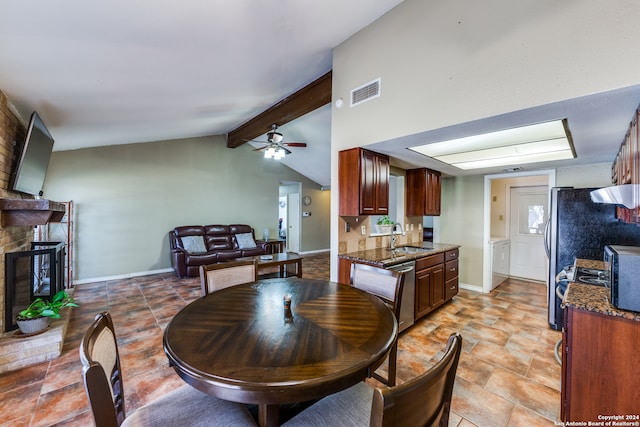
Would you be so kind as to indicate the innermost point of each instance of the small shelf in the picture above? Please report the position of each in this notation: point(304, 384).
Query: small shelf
point(17, 212)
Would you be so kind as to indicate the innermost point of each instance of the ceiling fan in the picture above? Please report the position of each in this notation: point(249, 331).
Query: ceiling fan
point(274, 147)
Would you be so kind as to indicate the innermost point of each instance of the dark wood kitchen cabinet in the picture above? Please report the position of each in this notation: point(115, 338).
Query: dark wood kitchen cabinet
point(450, 274)
point(429, 284)
point(436, 281)
point(600, 362)
point(423, 191)
point(363, 182)
point(626, 167)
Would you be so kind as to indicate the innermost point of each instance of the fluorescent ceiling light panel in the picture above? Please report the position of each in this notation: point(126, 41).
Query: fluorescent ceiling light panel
point(541, 142)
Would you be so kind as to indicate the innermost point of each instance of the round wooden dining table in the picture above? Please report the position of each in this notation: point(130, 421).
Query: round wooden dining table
point(241, 344)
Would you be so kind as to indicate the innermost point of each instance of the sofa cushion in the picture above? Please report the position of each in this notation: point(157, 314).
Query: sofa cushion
point(218, 237)
point(245, 241)
point(193, 244)
point(189, 230)
point(217, 230)
point(218, 243)
point(229, 254)
point(201, 259)
point(240, 228)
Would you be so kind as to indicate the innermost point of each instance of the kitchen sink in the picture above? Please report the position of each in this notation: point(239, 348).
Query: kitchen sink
point(410, 249)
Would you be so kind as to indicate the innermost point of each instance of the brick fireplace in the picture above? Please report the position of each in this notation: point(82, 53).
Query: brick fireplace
point(17, 238)
point(16, 353)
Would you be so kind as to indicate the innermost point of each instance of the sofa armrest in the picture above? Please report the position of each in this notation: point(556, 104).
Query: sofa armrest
point(264, 246)
point(178, 261)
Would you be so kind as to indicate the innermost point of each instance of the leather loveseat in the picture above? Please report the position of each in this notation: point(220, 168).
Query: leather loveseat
point(196, 245)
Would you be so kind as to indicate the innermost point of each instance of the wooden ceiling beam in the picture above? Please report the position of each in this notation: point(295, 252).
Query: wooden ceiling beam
point(309, 98)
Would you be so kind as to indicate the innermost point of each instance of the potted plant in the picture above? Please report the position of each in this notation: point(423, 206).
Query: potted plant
point(38, 315)
point(384, 225)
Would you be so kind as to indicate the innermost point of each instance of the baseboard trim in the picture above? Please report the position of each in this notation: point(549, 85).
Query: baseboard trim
point(162, 270)
point(467, 287)
point(318, 251)
point(121, 276)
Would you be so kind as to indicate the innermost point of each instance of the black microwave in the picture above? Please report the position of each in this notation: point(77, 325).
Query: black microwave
point(623, 267)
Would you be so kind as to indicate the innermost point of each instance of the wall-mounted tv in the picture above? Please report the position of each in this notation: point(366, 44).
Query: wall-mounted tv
point(34, 159)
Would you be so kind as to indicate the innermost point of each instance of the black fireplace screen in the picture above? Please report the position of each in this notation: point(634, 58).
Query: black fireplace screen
point(38, 273)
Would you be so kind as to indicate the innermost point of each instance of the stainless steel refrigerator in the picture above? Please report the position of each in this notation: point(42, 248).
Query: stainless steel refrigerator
point(579, 228)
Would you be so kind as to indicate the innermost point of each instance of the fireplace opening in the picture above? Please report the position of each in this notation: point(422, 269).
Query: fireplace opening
point(37, 273)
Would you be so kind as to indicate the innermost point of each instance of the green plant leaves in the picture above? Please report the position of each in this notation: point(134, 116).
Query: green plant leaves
point(42, 308)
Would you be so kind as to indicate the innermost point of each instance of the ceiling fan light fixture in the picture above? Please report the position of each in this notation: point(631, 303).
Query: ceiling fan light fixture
point(269, 153)
point(275, 137)
point(279, 154)
point(274, 147)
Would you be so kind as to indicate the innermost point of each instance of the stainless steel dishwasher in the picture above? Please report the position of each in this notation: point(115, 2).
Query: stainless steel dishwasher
point(408, 293)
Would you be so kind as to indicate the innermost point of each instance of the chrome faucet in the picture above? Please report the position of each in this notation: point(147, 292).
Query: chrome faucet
point(393, 236)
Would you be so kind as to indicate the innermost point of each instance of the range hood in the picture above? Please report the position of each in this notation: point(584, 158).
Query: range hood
point(627, 195)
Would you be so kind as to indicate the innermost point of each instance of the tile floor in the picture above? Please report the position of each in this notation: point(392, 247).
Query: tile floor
point(507, 374)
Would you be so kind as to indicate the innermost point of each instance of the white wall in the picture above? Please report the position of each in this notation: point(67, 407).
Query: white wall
point(597, 175)
point(452, 61)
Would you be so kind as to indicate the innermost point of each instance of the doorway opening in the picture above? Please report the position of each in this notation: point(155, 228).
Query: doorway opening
point(289, 215)
point(497, 215)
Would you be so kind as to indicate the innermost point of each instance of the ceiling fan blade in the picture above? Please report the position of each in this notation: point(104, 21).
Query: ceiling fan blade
point(295, 144)
point(261, 148)
point(286, 150)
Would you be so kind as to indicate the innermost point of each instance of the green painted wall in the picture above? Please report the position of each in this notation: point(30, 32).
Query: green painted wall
point(128, 197)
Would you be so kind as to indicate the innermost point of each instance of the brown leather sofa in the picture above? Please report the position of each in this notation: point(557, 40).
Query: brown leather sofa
point(196, 245)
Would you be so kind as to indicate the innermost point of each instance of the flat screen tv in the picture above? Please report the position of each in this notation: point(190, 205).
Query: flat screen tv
point(34, 159)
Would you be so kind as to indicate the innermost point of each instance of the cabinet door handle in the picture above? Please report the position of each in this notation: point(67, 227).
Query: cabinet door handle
point(452, 269)
point(453, 288)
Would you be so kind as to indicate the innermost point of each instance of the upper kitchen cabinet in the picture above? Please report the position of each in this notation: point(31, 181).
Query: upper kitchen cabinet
point(626, 167)
point(363, 182)
point(422, 193)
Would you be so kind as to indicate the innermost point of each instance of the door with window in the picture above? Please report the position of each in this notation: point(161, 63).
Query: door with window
point(528, 214)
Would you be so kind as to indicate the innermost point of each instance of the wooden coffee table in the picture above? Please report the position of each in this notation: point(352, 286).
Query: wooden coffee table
point(278, 260)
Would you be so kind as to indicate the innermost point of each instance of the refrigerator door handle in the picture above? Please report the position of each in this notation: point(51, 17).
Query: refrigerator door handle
point(547, 237)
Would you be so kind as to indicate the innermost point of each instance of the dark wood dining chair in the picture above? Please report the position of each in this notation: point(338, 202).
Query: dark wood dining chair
point(386, 285)
point(422, 401)
point(214, 277)
point(184, 406)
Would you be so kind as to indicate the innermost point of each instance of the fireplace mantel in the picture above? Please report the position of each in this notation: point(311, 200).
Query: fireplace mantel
point(30, 211)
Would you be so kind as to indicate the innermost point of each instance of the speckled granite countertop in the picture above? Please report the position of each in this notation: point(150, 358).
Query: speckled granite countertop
point(593, 298)
point(383, 257)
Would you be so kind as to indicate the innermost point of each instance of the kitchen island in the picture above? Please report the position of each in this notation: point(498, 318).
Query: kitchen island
point(600, 356)
point(385, 257)
point(435, 274)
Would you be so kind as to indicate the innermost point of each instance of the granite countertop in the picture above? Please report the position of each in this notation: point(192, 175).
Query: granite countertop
point(593, 298)
point(384, 257)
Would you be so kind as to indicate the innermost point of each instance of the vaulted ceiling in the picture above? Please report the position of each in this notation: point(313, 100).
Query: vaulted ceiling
point(133, 71)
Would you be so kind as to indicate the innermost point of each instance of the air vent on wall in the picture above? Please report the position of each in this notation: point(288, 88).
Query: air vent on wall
point(365, 92)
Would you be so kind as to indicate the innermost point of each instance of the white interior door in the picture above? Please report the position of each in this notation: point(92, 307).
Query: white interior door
point(528, 213)
point(293, 222)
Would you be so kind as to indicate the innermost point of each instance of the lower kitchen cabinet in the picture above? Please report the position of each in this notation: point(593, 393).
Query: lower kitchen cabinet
point(429, 288)
point(436, 281)
point(600, 360)
point(450, 278)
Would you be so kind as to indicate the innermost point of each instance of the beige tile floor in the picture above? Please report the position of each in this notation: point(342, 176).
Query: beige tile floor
point(507, 374)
